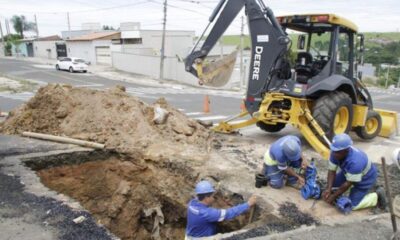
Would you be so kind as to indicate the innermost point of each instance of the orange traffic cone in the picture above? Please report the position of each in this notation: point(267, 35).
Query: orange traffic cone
point(242, 106)
point(206, 104)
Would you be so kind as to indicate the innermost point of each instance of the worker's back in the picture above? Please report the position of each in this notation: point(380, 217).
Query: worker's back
point(199, 218)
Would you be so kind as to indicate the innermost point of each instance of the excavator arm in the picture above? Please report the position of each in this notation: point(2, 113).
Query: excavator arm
point(268, 73)
point(269, 45)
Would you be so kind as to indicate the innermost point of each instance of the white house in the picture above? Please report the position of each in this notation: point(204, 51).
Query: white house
point(50, 47)
point(93, 47)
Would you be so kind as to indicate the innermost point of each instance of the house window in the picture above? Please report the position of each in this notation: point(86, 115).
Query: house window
point(132, 41)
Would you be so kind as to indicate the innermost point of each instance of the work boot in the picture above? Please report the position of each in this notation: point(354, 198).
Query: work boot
point(382, 203)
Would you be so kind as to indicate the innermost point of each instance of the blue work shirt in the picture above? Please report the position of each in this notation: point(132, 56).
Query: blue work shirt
point(356, 167)
point(276, 152)
point(202, 219)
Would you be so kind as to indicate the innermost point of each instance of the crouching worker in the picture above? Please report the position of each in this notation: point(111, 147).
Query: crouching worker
point(356, 172)
point(202, 219)
point(282, 159)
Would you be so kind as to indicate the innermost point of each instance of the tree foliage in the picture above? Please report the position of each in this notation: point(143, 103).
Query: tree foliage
point(20, 25)
point(106, 27)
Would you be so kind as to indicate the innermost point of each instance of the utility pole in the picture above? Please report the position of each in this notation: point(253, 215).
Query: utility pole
point(7, 27)
point(241, 78)
point(37, 28)
point(387, 77)
point(2, 36)
point(69, 25)
point(398, 82)
point(163, 42)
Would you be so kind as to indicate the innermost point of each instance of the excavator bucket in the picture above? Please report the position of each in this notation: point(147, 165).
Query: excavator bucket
point(389, 123)
point(217, 73)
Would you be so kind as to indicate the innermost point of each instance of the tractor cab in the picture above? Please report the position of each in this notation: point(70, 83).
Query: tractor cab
point(326, 45)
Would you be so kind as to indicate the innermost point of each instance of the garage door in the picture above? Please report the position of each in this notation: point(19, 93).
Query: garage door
point(103, 55)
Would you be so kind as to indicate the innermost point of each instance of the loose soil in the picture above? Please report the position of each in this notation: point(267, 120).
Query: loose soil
point(120, 121)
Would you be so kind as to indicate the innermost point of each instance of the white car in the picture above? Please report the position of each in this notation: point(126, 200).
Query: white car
point(72, 64)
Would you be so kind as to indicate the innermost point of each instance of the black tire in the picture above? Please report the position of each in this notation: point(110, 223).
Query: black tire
point(71, 70)
point(84, 71)
point(372, 127)
point(57, 67)
point(327, 107)
point(270, 127)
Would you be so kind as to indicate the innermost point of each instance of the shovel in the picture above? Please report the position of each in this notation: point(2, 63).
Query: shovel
point(216, 73)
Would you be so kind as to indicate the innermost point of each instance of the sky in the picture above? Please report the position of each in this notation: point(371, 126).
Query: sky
point(369, 15)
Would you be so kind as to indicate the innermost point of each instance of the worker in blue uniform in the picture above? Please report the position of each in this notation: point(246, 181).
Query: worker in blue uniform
point(350, 169)
point(284, 158)
point(202, 218)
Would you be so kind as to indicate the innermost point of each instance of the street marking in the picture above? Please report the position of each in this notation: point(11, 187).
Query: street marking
point(211, 118)
point(194, 113)
point(24, 96)
point(44, 66)
point(73, 79)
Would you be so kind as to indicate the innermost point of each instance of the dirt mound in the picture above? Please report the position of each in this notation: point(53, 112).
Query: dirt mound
point(112, 117)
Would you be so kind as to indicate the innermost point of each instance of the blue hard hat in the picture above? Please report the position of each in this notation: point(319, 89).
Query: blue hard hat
point(204, 187)
point(340, 142)
point(292, 149)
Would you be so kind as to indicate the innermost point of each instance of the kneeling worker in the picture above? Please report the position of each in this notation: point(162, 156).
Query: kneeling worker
point(202, 219)
point(356, 171)
point(284, 158)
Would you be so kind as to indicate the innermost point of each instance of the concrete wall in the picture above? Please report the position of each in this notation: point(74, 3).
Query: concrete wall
point(176, 42)
point(85, 49)
point(81, 49)
point(173, 68)
point(19, 50)
point(45, 49)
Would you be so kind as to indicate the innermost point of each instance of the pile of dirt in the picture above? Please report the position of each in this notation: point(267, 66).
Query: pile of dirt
point(120, 121)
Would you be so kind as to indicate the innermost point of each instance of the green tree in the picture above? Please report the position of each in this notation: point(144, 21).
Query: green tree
point(106, 27)
point(11, 39)
point(20, 25)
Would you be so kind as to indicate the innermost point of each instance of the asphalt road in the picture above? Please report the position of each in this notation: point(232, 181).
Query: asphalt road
point(187, 99)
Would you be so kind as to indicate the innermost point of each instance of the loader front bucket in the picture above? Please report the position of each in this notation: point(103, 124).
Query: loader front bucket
point(217, 73)
point(389, 123)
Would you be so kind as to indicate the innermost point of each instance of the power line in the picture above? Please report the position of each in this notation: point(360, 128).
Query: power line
point(79, 11)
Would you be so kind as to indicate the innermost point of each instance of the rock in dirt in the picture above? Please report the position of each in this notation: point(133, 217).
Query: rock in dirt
point(120, 121)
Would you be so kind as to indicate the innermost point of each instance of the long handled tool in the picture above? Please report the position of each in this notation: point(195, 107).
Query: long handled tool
point(252, 209)
point(395, 235)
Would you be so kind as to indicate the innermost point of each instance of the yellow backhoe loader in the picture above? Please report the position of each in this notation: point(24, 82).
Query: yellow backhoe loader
point(320, 94)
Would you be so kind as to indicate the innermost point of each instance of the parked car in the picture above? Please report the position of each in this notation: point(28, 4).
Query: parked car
point(72, 64)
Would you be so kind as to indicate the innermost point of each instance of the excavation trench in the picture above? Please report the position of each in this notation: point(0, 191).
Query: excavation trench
point(133, 198)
